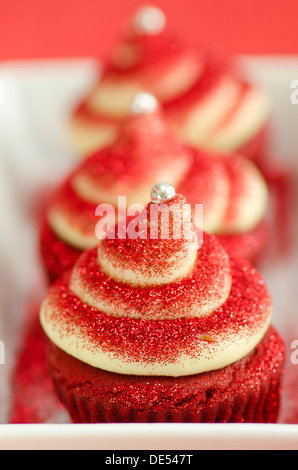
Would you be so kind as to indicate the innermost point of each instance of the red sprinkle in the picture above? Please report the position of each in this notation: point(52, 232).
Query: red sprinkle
point(245, 308)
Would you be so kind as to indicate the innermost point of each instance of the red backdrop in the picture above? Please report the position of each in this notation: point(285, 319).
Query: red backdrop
point(78, 28)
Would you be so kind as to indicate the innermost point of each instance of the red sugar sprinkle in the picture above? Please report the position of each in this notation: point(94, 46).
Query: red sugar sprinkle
point(206, 283)
point(145, 253)
point(32, 396)
point(80, 213)
point(155, 53)
point(163, 340)
point(57, 256)
point(144, 148)
point(200, 186)
point(216, 66)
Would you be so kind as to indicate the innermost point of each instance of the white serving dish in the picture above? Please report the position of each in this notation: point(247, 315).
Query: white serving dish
point(35, 99)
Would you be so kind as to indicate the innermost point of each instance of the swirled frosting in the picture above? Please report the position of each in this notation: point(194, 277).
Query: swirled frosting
point(147, 59)
point(144, 153)
point(220, 112)
point(136, 306)
point(232, 190)
point(205, 99)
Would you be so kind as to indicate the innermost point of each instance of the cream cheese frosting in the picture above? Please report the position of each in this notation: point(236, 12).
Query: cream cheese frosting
point(207, 315)
point(144, 153)
point(156, 62)
point(224, 119)
point(232, 190)
point(206, 100)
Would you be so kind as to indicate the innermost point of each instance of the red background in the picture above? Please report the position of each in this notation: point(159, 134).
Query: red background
point(31, 29)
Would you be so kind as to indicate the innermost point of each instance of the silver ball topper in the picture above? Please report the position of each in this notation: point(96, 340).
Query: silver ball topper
point(144, 103)
point(149, 20)
point(162, 192)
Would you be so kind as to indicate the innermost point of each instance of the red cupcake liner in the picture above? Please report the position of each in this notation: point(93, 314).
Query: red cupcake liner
point(246, 391)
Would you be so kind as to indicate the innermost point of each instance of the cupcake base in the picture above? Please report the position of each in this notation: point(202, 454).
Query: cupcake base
point(246, 391)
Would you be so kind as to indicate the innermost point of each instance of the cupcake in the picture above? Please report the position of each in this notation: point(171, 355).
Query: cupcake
point(148, 58)
point(119, 176)
point(149, 326)
point(232, 190)
point(205, 98)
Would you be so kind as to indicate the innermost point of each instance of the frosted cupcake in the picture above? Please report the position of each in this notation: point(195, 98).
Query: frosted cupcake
point(206, 101)
point(155, 328)
point(144, 152)
point(232, 190)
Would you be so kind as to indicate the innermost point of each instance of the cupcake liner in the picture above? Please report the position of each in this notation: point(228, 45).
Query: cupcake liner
point(255, 408)
point(246, 391)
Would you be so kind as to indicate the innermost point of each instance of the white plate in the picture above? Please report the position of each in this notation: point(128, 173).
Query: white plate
point(35, 99)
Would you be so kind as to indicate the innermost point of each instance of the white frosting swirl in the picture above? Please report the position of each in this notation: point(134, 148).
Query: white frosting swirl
point(233, 193)
point(165, 234)
point(227, 339)
point(201, 296)
point(113, 95)
point(125, 169)
point(231, 189)
point(225, 119)
point(248, 199)
point(206, 298)
point(87, 136)
point(158, 64)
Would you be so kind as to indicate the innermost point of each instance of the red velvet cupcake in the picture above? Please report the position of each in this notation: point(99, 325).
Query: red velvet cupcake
point(231, 189)
point(149, 326)
point(148, 58)
point(119, 176)
point(205, 98)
